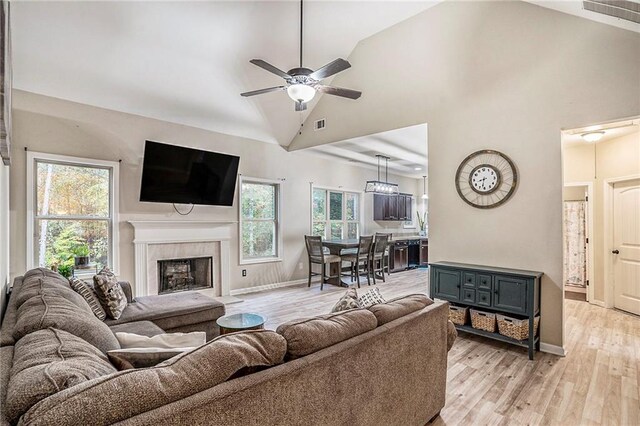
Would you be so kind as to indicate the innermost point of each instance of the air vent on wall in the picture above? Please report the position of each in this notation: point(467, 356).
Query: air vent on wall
point(623, 9)
point(319, 124)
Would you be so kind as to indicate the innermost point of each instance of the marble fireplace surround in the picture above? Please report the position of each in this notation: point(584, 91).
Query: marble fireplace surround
point(168, 239)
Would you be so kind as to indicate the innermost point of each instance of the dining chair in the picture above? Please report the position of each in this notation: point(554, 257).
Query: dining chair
point(318, 256)
point(386, 251)
point(379, 254)
point(360, 261)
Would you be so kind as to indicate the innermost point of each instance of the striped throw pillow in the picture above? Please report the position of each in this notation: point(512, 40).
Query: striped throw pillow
point(89, 295)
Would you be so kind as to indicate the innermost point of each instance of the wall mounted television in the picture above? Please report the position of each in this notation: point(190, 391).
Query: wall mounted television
point(176, 174)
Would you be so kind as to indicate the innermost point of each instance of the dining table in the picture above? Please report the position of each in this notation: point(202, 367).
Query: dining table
point(337, 247)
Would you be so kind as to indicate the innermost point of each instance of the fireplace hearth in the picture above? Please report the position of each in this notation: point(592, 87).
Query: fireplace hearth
point(185, 274)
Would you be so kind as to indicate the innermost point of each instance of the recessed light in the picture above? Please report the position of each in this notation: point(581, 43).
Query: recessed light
point(417, 168)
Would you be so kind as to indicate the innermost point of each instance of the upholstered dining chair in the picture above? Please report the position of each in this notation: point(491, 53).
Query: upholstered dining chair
point(318, 256)
point(380, 254)
point(386, 252)
point(361, 260)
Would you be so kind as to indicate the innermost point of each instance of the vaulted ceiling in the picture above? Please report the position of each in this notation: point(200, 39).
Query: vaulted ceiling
point(187, 62)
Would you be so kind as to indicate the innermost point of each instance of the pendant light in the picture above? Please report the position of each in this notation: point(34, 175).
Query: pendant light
point(424, 188)
point(378, 186)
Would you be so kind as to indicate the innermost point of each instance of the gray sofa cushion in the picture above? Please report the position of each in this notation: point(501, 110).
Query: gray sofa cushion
point(40, 280)
point(399, 307)
point(6, 360)
point(139, 391)
point(54, 310)
point(46, 362)
point(143, 328)
point(307, 336)
point(172, 311)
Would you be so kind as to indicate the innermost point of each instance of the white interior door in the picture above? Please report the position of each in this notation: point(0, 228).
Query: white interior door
point(626, 246)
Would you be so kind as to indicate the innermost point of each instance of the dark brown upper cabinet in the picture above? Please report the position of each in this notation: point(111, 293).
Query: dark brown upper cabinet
point(392, 207)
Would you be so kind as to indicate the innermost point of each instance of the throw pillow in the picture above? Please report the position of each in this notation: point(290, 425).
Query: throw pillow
point(162, 341)
point(348, 301)
point(109, 292)
point(371, 297)
point(89, 295)
point(126, 359)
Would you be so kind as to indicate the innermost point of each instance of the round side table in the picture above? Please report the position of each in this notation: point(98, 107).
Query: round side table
point(239, 322)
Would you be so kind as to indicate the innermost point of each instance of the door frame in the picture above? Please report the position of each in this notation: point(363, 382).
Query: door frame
point(609, 281)
point(590, 245)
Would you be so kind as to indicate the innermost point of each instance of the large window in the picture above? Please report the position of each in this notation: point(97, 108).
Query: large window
point(335, 214)
point(72, 209)
point(259, 221)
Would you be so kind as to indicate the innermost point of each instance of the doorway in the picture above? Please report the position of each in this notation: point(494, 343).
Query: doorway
point(601, 196)
point(577, 247)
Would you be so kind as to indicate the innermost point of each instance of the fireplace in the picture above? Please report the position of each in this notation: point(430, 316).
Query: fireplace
point(193, 273)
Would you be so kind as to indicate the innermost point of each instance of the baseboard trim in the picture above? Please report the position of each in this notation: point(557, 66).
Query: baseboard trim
point(598, 303)
point(552, 349)
point(267, 287)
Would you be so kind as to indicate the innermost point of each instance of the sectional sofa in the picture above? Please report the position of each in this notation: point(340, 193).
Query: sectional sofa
point(382, 365)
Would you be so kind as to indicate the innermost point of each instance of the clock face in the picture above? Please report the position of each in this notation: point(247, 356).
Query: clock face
point(486, 179)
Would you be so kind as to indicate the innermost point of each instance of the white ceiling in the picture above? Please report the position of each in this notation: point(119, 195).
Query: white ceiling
point(406, 148)
point(612, 130)
point(187, 62)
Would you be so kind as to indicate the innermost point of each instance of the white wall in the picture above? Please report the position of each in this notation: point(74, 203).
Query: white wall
point(51, 125)
point(4, 234)
point(502, 75)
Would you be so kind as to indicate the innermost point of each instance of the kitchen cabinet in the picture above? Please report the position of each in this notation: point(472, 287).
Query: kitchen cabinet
point(424, 253)
point(392, 207)
point(400, 256)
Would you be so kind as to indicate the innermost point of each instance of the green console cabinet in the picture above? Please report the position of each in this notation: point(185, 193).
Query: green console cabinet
point(511, 292)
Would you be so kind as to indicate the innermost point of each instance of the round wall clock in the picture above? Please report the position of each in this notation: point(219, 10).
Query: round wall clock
point(486, 179)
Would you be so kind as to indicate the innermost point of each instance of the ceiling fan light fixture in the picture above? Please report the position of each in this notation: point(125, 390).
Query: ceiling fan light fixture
point(301, 92)
point(593, 136)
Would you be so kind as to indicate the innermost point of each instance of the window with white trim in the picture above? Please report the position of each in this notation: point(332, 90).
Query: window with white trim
point(335, 214)
point(72, 213)
point(259, 220)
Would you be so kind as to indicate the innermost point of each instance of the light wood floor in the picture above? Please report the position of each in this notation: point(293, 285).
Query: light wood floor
point(490, 382)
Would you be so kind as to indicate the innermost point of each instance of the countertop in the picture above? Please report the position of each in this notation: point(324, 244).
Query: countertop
point(407, 238)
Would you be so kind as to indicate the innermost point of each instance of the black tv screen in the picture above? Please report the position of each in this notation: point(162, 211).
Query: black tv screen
point(175, 174)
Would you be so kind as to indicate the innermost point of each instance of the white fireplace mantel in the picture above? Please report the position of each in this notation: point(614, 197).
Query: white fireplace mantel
point(147, 232)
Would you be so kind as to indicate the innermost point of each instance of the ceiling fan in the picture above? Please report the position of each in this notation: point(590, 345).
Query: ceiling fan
point(303, 83)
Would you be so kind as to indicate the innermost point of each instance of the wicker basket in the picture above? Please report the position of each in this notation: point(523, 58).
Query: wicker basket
point(458, 314)
point(516, 328)
point(483, 320)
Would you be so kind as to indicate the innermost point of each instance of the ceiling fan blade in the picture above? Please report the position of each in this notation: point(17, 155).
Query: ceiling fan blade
point(339, 91)
point(301, 106)
point(261, 91)
point(330, 69)
point(267, 66)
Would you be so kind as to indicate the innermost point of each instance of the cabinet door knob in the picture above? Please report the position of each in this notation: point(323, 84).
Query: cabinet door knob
point(615, 251)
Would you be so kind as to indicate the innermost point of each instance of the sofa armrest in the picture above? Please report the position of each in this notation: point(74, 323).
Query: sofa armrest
point(126, 287)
